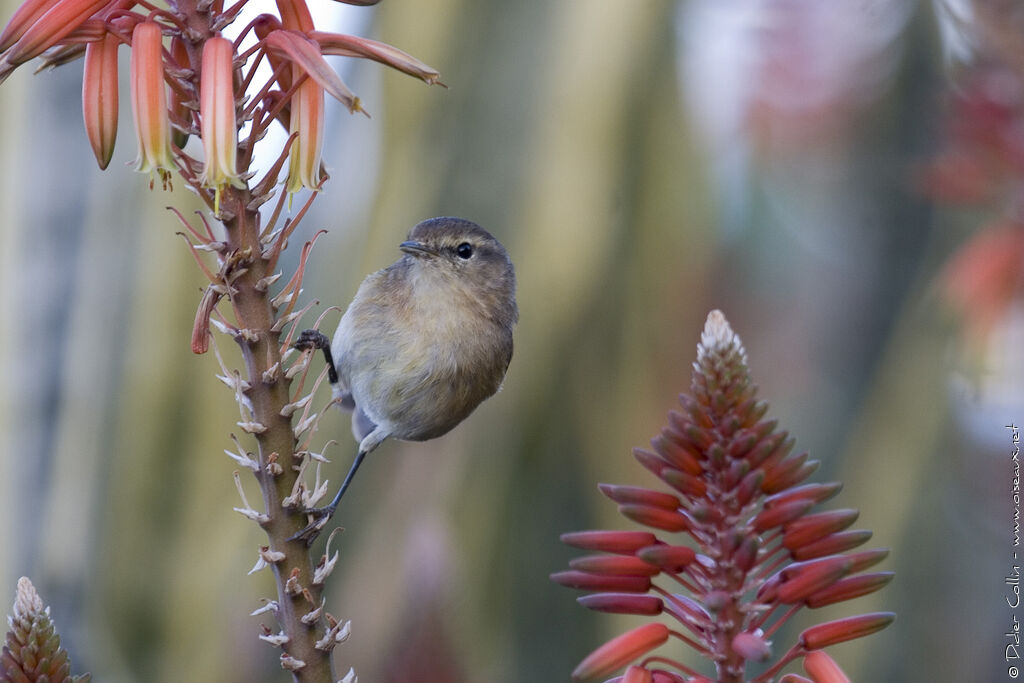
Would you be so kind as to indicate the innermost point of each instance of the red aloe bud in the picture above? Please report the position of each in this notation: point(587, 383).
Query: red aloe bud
point(820, 667)
point(832, 544)
point(623, 542)
point(766, 448)
point(816, 493)
point(653, 462)
point(849, 588)
point(613, 565)
point(686, 484)
point(800, 581)
point(791, 477)
point(816, 527)
point(742, 441)
point(621, 650)
point(659, 518)
point(750, 485)
point(746, 556)
point(696, 411)
point(771, 517)
point(794, 678)
point(673, 558)
point(682, 457)
point(600, 582)
point(622, 603)
point(783, 468)
point(868, 558)
point(841, 630)
point(638, 494)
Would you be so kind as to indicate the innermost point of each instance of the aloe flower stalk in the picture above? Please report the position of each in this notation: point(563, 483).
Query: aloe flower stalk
point(736, 528)
point(32, 652)
point(188, 81)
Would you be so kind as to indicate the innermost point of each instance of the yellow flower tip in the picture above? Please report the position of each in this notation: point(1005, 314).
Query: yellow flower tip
point(149, 103)
point(100, 97)
point(217, 117)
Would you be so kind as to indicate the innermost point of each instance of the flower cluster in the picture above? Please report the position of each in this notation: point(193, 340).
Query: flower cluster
point(189, 80)
point(738, 532)
point(32, 651)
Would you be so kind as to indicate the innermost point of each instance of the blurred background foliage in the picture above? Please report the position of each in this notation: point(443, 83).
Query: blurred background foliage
point(643, 162)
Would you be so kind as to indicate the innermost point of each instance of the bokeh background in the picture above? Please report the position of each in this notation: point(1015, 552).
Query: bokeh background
point(822, 172)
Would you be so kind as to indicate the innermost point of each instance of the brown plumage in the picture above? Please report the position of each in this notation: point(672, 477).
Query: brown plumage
point(428, 338)
point(424, 341)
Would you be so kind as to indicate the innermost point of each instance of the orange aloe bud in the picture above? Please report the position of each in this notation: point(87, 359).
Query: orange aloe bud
point(44, 29)
point(217, 116)
point(354, 46)
point(841, 630)
point(823, 669)
point(26, 15)
point(621, 650)
point(99, 96)
point(149, 101)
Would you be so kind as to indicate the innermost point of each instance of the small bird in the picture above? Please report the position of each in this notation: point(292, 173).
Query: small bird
point(424, 341)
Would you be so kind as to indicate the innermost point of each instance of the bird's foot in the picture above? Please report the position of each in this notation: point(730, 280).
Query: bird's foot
point(321, 516)
point(312, 339)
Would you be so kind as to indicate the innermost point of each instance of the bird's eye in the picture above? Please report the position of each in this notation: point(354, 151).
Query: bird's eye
point(464, 250)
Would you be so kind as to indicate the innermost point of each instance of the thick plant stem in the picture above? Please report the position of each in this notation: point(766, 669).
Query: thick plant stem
point(268, 392)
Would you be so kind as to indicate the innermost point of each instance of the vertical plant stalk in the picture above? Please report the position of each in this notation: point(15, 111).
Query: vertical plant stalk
point(199, 83)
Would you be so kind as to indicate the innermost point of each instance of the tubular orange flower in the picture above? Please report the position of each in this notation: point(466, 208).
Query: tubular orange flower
point(99, 96)
point(149, 102)
point(307, 120)
point(217, 114)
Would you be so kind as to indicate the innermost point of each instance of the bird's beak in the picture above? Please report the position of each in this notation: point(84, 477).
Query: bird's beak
point(417, 249)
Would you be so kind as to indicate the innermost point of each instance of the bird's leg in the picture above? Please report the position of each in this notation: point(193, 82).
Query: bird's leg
point(323, 515)
point(315, 339)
